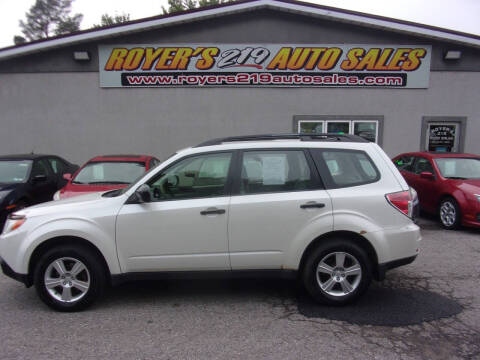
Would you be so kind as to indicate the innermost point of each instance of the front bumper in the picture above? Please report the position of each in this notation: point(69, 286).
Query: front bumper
point(7, 270)
point(383, 268)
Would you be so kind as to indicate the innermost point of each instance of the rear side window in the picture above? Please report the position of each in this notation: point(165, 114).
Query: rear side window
point(275, 171)
point(344, 168)
point(405, 163)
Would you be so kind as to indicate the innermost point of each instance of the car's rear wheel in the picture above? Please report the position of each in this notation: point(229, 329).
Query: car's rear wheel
point(449, 213)
point(69, 278)
point(337, 272)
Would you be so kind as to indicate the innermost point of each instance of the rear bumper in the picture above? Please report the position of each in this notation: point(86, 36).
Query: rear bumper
point(383, 268)
point(8, 271)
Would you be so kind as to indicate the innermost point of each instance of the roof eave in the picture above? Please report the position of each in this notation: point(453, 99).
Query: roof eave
point(230, 8)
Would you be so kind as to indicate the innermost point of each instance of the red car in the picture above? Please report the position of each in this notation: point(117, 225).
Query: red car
point(103, 173)
point(447, 184)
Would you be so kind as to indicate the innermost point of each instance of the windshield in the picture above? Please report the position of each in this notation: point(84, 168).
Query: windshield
point(459, 168)
point(109, 173)
point(14, 171)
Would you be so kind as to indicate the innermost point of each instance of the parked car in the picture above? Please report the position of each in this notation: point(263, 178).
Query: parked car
point(29, 179)
point(447, 185)
point(107, 172)
point(331, 210)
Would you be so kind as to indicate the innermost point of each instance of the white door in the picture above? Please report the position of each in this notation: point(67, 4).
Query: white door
point(184, 227)
point(277, 198)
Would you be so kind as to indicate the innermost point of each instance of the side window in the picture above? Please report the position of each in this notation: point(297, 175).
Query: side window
point(193, 177)
point(343, 168)
point(275, 171)
point(39, 168)
point(405, 163)
point(422, 165)
point(58, 166)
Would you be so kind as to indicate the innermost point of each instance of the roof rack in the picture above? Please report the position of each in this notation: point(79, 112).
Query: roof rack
point(301, 137)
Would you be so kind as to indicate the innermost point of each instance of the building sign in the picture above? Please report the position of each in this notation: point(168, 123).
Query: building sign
point(441, 137)
point(206, 65)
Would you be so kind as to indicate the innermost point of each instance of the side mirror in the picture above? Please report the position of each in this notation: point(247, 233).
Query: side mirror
point(427, 175)
point(39, 178)
point(67, 176)
point(143, 193)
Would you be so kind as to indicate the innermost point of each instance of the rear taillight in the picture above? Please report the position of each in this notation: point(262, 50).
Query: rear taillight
point(402, 201)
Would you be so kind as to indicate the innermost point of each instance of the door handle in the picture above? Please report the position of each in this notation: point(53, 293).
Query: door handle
point(212, 211)
point(312, 204)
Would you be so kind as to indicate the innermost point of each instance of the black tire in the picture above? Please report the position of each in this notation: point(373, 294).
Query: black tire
point(354, 255)
point(450, 214)
point(69, 255)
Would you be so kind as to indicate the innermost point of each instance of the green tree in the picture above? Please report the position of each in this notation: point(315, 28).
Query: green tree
point(47, 17)
point(181, 5)
point(108, 20)
point(202, 3)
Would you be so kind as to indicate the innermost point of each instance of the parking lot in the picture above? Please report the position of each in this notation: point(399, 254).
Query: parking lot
point(427, 310)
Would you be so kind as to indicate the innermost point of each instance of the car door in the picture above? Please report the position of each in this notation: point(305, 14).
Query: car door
point(277, 195)
point(59, 168)
point(42, 181)
point(427, 188)
point(184, 227)
point(405, 165)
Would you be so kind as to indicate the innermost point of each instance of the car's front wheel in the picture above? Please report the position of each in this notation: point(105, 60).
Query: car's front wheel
point(449, 213)
point(337, 272)
point(69, 278)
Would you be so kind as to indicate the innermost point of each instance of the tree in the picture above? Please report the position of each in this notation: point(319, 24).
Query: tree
point(181, 5)
point(18, 40)
point(108, 20)
point(71, 24)
point(202, 3)
point(49, 16)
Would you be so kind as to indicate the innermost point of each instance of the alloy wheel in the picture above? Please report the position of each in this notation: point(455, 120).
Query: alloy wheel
point(67, 280)
point(448, 213)
point(339, 273)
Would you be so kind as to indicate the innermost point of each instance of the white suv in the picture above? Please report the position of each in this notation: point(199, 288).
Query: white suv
point(330, 209)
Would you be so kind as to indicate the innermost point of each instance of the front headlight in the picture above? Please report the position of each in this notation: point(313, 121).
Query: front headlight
point(14, 221)
point(477, 196)
point(56, 196)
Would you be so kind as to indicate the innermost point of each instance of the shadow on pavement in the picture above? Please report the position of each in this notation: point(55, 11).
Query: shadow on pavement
point(378, 306)
point(385, 307)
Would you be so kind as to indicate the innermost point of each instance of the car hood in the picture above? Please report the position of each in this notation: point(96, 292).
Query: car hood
point(469, 186)
point(65, 205)
point(75, 190)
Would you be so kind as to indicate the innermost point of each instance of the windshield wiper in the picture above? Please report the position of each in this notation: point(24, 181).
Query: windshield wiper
point(457, 177)
point(107, 182)
point(77, 182)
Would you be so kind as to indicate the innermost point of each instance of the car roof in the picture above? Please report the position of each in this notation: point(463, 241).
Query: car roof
point(24, 156)
point(436, 155)
point(122, 158)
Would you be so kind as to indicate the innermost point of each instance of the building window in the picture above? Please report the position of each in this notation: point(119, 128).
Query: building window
point(366, 127)
point(443, 134)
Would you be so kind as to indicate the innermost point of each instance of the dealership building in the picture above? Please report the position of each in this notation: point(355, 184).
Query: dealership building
point(163, 83)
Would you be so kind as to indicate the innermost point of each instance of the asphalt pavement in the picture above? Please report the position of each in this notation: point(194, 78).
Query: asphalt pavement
point(429, 309)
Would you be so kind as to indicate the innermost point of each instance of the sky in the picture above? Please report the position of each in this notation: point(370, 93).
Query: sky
point(461, 15)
